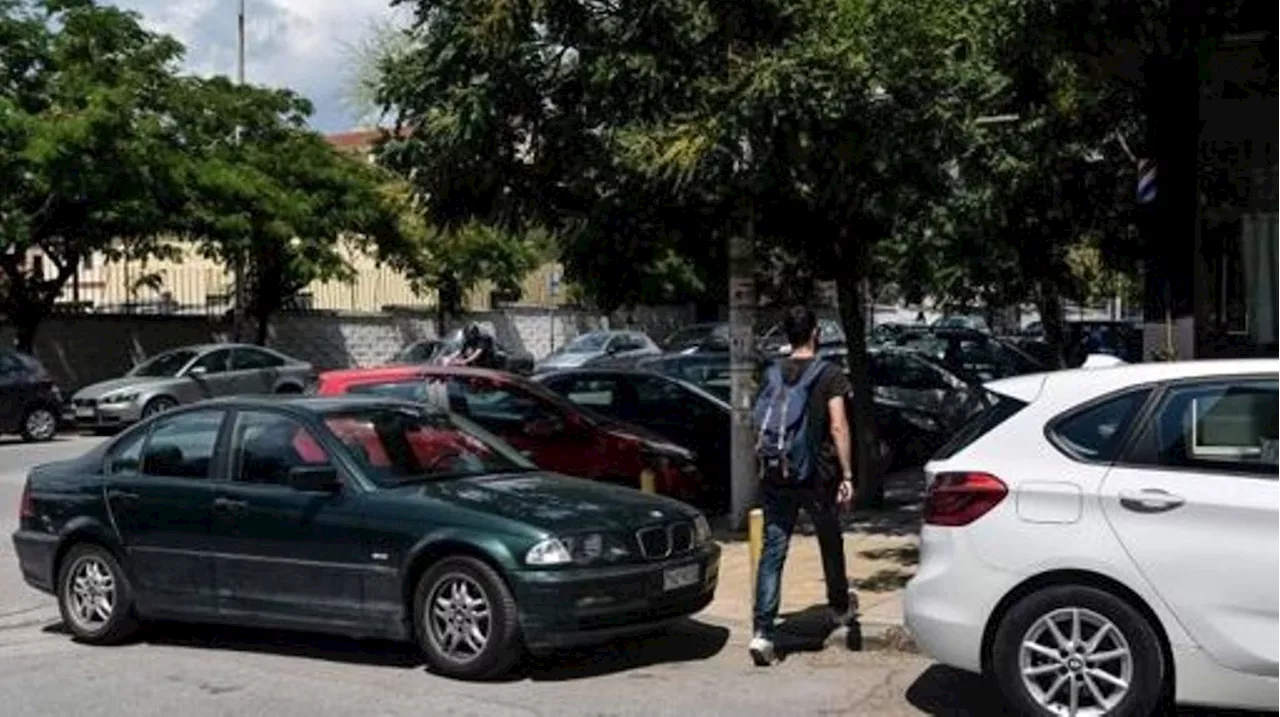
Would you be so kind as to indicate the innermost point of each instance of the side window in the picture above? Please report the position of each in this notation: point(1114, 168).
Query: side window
point(1096, 432)
point(655, 395)
point(1227, 426)
point(213, 362)
point(125, 458)
point(415, 390)
point(251, 359)
point(597, 393)
point(9, 364)
point(495, 406)
point(269, 445)
point(183, 446)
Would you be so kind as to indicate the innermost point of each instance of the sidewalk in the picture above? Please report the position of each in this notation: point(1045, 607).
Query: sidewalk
point(881, 550)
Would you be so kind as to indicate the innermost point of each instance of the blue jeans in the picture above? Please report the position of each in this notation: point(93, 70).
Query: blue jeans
point(782, 506)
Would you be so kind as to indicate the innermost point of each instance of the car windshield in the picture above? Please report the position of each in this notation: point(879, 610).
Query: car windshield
point(587, 343)
point(164, 365)
point(399, 445)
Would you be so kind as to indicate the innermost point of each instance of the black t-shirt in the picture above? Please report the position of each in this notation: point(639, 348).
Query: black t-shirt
point(831, 383)
point(488, 357)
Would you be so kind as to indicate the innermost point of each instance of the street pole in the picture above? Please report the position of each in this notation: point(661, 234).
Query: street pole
point(237, 261)
point(742, 320)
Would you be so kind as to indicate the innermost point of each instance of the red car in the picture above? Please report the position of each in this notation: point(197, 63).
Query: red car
point(555, 433)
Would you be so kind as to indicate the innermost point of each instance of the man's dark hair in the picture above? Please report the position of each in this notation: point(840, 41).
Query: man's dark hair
point(798, 324)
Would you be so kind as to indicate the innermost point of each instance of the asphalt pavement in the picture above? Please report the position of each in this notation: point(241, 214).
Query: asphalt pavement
point(698, 668)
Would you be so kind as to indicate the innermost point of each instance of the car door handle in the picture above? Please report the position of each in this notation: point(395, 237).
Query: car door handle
point(1150, 500)
point(121, 495)
point(228, 505)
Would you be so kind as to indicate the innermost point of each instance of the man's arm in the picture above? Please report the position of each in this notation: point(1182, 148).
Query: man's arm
point(840, 436)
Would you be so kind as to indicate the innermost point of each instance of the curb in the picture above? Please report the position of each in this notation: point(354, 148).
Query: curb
point(872, 636)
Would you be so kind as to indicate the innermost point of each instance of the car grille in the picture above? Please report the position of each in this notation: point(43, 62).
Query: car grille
point(665, 541)
point(85, 402)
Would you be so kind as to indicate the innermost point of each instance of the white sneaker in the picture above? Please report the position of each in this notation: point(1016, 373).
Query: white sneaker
point(761, 649)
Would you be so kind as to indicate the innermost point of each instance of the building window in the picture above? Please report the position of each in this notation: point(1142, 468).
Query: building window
point(1220, 249)
point(87, 264)
point(37, 266)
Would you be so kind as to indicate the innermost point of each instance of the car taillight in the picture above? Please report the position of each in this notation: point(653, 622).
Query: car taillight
point(26, 506)
point(957, 499)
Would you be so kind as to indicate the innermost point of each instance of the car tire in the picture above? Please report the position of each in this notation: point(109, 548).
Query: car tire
point(87, 572)
point(39, 424)
point(157, 406)
point(446, 599)
point(289, 389)
point(1125, 630)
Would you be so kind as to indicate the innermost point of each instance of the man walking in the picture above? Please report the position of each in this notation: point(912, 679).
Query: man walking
point(803, 447)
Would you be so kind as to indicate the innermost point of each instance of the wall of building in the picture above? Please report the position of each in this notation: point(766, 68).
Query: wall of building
point(85, 348)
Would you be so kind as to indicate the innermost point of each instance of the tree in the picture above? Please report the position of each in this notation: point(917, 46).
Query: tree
point(260, 185)
point(85, 156)
point(642, 129)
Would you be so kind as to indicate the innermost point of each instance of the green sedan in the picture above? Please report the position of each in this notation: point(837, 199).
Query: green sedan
point(364, 517)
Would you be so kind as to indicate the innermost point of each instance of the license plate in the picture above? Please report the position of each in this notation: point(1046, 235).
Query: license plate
point(84, 412)
point(682, 577)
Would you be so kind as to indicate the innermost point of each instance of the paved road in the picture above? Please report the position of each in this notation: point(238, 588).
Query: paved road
point(698, 668)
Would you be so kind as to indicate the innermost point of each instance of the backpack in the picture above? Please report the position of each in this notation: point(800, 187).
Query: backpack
point(781, 420)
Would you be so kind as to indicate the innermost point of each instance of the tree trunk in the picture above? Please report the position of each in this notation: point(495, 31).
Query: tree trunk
point(448, 302)
point(742, 369)
point(1049, 303)
point(26, 323)
point(867, 466)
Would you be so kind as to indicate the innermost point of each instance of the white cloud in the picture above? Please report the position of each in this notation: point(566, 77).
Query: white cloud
point(300, 44)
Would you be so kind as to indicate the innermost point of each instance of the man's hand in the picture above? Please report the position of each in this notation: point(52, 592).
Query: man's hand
point(844, 497)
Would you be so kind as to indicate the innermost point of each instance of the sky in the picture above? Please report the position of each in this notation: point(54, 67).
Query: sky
point(305, 45)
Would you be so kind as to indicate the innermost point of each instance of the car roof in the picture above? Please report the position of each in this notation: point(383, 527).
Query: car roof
point(1101, 380)
point(313, 404)
point(606, 371)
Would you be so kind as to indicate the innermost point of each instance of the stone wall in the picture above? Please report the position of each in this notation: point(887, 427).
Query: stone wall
point(82, 349)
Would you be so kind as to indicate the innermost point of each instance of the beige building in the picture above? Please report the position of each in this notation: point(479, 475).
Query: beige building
point(199, 285)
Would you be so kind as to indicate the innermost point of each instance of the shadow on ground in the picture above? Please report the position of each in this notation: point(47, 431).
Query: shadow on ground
point(808, 631)
point(684, 641)
point(946, 692)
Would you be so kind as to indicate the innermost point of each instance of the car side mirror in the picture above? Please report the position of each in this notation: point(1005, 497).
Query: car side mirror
point(544, 428)
point(315, 479)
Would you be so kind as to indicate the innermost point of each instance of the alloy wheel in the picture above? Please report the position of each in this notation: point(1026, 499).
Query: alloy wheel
point(1076, 663)
point(458, 617)
point(90, 593)
point(41, 425)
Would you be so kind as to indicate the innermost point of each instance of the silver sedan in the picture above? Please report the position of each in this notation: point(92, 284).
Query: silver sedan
point(187, 375)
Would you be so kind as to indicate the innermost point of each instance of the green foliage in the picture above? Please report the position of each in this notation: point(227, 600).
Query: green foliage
point(84, 145)
point(261, 188)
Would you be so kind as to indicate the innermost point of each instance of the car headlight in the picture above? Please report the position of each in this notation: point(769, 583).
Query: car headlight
point(118, 398)
point(578, 550)
point(701, 530)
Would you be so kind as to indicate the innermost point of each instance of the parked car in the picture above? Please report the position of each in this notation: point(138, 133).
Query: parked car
point(595, 346)
point(713, 337)
point(946, 397)
point(831, 342)
point(554, 432)
point(681, 412)
point(368, 517)
point(185, 375)
point(974, 352)
point(433, 351)
point(30, 403)
point(1099, 538)
point(708, 371)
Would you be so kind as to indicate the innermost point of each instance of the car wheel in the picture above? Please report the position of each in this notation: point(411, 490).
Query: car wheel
point(95, 596)
point(466, 620)
point(1075, 650)
point(157, 406)
point(39, 424)
point(289, 388)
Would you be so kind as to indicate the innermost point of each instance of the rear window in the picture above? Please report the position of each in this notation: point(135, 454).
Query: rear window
point(1096, 432)
point(998, 410)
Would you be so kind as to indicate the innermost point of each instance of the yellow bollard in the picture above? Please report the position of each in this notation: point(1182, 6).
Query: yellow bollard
point(755, 544)
point(647, 481)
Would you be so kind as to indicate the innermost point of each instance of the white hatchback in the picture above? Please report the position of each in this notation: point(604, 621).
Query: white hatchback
point(1101, 541)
